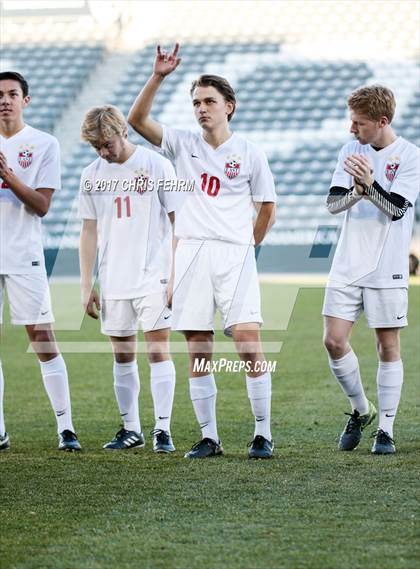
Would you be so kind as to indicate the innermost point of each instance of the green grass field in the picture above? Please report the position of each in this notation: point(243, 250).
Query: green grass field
point(310, 507)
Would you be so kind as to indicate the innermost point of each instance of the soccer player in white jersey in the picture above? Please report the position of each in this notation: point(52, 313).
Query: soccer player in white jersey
point(376, 182)
point(125, 211)
point(29, 175)
point(215, 261)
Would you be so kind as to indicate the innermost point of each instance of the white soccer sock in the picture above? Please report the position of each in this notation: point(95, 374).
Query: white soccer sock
point(127, 389)
point(259, 393)
point(389, 380)
point(347, 372)
point(56, 383)
point(162, 385)
point(203, 393)
point(2, 427)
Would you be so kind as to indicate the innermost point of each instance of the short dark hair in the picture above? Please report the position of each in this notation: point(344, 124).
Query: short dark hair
point(15, 76)
point(220, 84)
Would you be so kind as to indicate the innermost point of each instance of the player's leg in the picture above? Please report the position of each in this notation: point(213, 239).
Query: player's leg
point(127, 390)
point(386, 312)
point(389, 380)
point(248, 345)
point(2, 425)
point(119, 323)
point(238, 298)
point(4, 437)
point(162, 385)
point(155, 319)
point(342, 307)
point(30, 306)
point(55, 379)
point(193, 314)
point(203, 393)
point(30, 303)
point(343, 361)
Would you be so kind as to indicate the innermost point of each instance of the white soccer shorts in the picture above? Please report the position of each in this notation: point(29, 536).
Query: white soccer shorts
point(214, 274)
point(383, 307)
point(123, 318)
point(29, 298)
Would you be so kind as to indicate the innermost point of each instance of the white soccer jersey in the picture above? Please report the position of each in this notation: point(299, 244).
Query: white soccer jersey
point(34, 156)
point(373, 250)
point(134, 234)
point(227, 180)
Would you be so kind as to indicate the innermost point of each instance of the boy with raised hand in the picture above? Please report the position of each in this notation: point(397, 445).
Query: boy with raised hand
point(215, 263)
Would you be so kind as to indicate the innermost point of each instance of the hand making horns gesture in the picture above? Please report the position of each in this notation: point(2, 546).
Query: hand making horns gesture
point(166, 62)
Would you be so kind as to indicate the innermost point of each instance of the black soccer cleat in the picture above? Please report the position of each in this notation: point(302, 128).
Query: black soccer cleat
point(162, 441)
point(352, 434)
point(125, 440)
point(205, 449)
point(383, 443)
point(260, 447)
point(4, 442)
point(67, 440)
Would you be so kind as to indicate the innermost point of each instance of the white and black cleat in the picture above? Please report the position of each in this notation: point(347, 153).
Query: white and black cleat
point(4, 442)
point(383, 443)
point(162, 441)
point(67, 441)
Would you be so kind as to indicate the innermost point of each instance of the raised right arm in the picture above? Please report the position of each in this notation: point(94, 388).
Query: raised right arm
point(139, 115)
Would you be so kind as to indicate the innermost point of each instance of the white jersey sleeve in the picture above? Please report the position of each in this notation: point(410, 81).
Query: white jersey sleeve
point(49, 173)
point(167, 187)
point(172, 139)
point(261, 178)
point(407, 179)
point(87, 209)
point(340, 177)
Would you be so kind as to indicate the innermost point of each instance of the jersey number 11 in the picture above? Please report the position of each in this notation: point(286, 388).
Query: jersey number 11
point(119, 201)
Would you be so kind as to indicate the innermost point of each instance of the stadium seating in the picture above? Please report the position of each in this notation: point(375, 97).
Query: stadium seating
point(408, 125)
point(277, 100)
point(55, 74)
point(294, 108)
point(281, 104)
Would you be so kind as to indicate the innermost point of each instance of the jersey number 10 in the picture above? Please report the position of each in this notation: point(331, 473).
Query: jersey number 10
point(211, 185)
point(119, 201)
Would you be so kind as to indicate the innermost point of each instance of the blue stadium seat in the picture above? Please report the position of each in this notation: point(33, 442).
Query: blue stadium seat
point(56, 72)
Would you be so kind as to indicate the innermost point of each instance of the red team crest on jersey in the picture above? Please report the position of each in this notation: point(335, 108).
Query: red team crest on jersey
point(232, 166)
point(391, 167)
point(142, 180)
point(25, 156)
